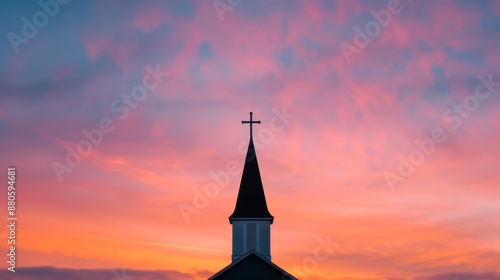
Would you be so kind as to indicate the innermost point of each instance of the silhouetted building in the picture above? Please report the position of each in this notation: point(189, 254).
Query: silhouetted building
point(251, 220)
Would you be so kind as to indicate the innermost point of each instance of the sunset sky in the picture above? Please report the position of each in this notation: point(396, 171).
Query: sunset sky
point(123, 121)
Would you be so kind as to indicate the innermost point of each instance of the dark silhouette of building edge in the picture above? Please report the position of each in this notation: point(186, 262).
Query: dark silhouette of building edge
point(251, 222)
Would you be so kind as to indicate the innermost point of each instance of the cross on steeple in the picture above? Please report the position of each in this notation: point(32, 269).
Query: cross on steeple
point(250, 122)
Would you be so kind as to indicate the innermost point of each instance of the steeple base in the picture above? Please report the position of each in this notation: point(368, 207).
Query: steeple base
point(251, 234)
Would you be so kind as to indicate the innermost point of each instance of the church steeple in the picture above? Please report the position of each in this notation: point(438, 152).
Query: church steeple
point(251, 219)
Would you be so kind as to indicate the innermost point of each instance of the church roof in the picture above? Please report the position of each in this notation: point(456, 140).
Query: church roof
point(251, 202)
point(252, 265)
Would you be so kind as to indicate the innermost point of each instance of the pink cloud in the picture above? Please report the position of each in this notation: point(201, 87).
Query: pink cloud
point(149, 19)
point(96, 46)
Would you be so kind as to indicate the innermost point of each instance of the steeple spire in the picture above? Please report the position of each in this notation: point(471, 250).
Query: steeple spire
point(251, 202)
point(251, 220)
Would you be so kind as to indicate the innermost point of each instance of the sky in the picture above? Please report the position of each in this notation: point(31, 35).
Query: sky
point(378, 147)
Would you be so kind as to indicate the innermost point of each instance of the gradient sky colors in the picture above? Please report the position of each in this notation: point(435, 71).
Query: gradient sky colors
point(324, 168)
